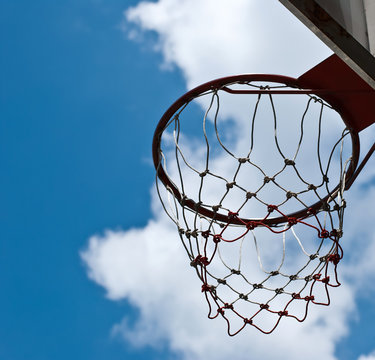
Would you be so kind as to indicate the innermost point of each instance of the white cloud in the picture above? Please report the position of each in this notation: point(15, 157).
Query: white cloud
point(370, 356)
point(214, 38)
point(149, 267)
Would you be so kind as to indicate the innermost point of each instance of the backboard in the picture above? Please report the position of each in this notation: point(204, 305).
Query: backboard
point(346, 26)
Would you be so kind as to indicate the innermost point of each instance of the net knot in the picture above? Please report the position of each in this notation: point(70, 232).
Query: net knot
point(336, 233)
point(243, 296)
point(290, 194)
point(292, 221)
point(249, 195)
point(222, 281)
point(206, 234)
point(311, 187)
point(228, 306)
point(279, 291)
point(217, 239)
point(258, 286)
point(248, 321)
point(230, 185)
point(234, 271)
point(317, 276)
point(216, 208)
point(274, 273)
point(289, 162)
point(194, 233)
point(296, 296)
point(251, 225)
point(334, 258)
point(309, 298)
point(232, 215)
point(201, 260)
point(325, 280)
point(315, 99)
point(206, 288)
point(271, 208)
point(203, 173)
point(267, 179)
point(324, 234)
point(264, 306)
point(283, 313)
point(221, 311)
point(242, 160)
point(293, 277)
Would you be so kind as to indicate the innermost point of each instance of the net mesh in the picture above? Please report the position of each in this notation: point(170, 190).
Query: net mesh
point(257, 160)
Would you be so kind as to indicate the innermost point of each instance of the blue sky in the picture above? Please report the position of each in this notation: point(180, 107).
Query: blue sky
point(79, 104)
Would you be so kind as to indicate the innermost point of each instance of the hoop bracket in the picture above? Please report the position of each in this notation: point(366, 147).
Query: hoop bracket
point(350, 94)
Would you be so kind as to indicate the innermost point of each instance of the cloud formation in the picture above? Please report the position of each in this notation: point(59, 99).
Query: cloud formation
point(148, 266)
point(214, 38)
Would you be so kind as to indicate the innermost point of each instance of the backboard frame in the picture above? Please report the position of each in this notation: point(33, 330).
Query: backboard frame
point(334, 35)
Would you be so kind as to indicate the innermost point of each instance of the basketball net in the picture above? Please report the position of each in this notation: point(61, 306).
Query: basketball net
point(261, 222)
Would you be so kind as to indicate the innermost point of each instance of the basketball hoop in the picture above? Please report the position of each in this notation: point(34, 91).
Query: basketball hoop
point(269, 196)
